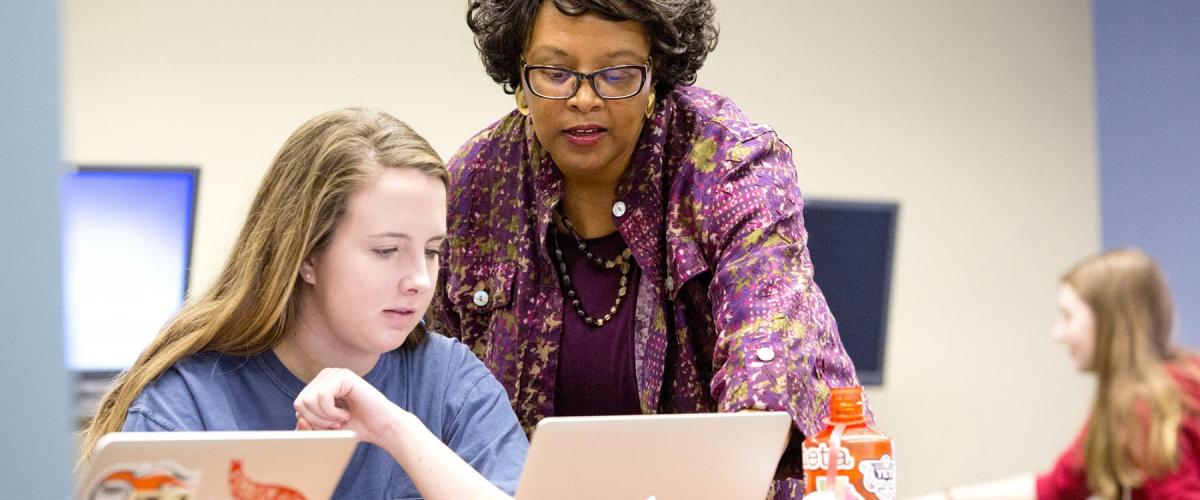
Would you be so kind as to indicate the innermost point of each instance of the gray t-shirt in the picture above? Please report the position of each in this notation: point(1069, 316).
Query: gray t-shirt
point(440, 381)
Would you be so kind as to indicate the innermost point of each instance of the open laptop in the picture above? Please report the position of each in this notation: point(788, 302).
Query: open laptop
point(216, 465)
point(719, 456)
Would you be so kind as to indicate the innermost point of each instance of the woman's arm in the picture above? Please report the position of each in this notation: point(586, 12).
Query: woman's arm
point(1067, 479)
point(778, 346)
point(339, 399)
point(1013, 488)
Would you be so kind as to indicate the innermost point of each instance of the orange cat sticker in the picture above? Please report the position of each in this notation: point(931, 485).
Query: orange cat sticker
point(244, 488)
point(162, 481)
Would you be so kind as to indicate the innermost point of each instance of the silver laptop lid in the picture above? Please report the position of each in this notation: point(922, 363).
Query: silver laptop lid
point(719, 456)
point(204, 465)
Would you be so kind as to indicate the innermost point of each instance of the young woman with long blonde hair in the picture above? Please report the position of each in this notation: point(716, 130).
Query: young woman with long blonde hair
point(316, 321)
point(1143, 434)
point(1142, 437)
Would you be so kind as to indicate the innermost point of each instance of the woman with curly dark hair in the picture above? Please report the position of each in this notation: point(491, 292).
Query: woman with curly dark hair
point(624, 242)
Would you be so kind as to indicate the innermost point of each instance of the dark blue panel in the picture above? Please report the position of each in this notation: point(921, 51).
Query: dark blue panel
point(851, 244)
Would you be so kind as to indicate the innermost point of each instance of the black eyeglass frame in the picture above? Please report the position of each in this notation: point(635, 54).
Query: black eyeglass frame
point(590, 77)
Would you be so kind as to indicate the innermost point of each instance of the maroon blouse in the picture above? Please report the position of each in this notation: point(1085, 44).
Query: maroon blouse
point(595, 367)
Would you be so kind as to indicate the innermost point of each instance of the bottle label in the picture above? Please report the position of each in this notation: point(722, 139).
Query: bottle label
point(879, 476)
point(864, 470)
point(818, 458)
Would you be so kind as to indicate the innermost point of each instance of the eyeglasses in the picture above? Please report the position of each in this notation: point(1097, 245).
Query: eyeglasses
point(614, 82)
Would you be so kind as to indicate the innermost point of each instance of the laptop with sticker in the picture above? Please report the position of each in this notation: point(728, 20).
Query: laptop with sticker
point(719, 456)
point(210, 465)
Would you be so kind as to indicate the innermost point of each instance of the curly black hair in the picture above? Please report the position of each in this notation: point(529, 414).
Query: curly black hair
point(682, 33)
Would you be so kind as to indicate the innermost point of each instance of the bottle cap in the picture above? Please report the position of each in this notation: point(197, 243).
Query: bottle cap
point(846, 404)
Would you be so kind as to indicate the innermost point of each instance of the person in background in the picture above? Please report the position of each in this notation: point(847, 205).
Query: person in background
point(624, 242)
point(1142, 437)
point(317, 318)
point(1143, 434)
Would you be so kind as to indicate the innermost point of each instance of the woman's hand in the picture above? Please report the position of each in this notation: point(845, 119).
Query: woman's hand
point(338, 398)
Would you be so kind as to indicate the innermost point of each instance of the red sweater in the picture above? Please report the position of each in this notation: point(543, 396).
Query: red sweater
point(1068, 479)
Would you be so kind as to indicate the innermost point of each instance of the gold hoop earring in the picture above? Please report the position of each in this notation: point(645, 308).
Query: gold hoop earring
point(519, 96)
point(650, 105)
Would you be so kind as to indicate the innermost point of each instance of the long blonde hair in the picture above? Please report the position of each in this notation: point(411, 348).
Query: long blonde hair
point(253, 301)
point(1133, 430)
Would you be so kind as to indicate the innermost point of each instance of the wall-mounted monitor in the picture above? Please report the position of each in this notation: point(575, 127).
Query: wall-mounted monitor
point(851, 244)
point(126, 251)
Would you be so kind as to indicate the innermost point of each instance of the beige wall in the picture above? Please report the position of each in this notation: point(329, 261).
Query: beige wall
point(978, 117)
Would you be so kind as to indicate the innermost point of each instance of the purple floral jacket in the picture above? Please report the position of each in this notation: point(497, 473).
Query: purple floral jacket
point(727, 315)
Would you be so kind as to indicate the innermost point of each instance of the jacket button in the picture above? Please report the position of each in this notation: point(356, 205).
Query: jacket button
point(765, 353)
point(619, 208)
point(480, 298)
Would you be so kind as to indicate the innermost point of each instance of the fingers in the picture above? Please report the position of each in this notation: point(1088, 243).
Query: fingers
point(335, 385)
point(317, 403)
point(302, 424)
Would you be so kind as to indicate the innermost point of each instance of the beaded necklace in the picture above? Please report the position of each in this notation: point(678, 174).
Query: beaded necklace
point(621, 261)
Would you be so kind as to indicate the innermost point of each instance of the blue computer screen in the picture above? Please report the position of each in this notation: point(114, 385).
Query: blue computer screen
point(126, 249)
